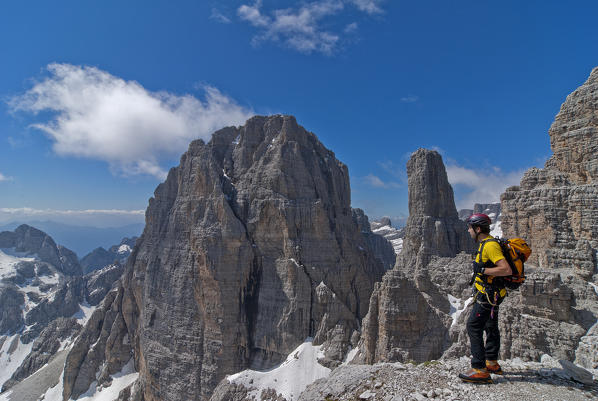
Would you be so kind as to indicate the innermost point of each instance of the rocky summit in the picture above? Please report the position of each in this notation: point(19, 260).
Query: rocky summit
point(409, 316)
point(250, 248)
point(29, 240)
point(44, 301)
point(433, 227)
point(100, 257)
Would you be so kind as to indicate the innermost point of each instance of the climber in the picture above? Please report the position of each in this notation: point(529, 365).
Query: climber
point(488, 265)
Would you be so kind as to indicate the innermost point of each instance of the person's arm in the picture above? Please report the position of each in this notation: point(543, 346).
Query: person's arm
point(502, 269)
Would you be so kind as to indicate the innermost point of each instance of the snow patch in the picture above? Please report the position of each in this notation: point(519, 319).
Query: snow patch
point(290, 378)
point(9, 363)
point(124, 249)
point(496, 231)
point(390, 233)
point(120, 381)
point(350, 355)
point(29, 286)
point(8, 260)
point(20, 255)
point(383, 229)
point(595, 287)
point(84, 313)
point(397, 244)
point(457, 307)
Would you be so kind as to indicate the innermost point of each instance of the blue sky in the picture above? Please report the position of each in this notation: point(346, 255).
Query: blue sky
point(99, 99)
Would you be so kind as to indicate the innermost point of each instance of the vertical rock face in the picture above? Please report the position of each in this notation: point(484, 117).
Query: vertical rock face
point(574, 134)
point(433, 226)
point(430, 193)
point(556, 208)
point(409, 314)
point(379, 244)
point(250, 247)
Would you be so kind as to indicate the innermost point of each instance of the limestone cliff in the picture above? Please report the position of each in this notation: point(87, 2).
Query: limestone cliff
point(433, 226)
point(409, 315)
point(419, 309)
point(556, 210)
point(382, 246)
point(250, 247)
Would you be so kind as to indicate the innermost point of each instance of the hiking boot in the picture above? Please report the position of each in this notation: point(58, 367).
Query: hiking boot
point(476, 376)
point(493, 367)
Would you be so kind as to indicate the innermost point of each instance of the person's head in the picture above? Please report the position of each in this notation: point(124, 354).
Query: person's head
point(478, 223)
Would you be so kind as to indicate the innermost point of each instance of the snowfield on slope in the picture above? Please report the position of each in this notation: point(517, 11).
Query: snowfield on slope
point(290, 378)
point(9, 259)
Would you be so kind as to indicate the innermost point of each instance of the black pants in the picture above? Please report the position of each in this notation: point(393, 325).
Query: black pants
point(478, 322)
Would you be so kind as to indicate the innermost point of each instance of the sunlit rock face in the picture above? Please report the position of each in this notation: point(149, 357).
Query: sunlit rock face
point(250, 247)
point(409, 316)
point(556, 208)
point(433, 227)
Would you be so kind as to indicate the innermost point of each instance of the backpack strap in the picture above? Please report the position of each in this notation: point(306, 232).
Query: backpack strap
point(485, 280)
point(481, 250)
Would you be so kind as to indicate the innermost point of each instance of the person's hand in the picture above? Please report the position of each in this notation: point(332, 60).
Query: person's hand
point(478, 269)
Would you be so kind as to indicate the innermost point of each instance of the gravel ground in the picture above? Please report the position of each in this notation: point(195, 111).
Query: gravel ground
point(438, 380)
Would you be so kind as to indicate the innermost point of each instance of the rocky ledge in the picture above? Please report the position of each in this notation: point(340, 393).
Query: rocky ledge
point(437, 380)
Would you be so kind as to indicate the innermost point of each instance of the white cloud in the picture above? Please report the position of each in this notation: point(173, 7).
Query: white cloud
point(218, 16)
point(368, 6)
point(480, 186)
point(376, 182)
point(295, 28)
point(351, 28)
point(4, 178)
point(410, 99)
point(97, 218)
point(301, 28)
point(394, 169)
point(253, 15)
point(99, 116)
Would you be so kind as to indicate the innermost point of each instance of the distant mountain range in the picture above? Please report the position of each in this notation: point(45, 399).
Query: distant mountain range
point(80, 239)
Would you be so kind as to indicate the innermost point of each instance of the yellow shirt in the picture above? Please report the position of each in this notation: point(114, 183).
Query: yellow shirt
point(493, 253)
point(490, 252)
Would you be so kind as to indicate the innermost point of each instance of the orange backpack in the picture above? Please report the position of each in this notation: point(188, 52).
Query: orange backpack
point(516, 251)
